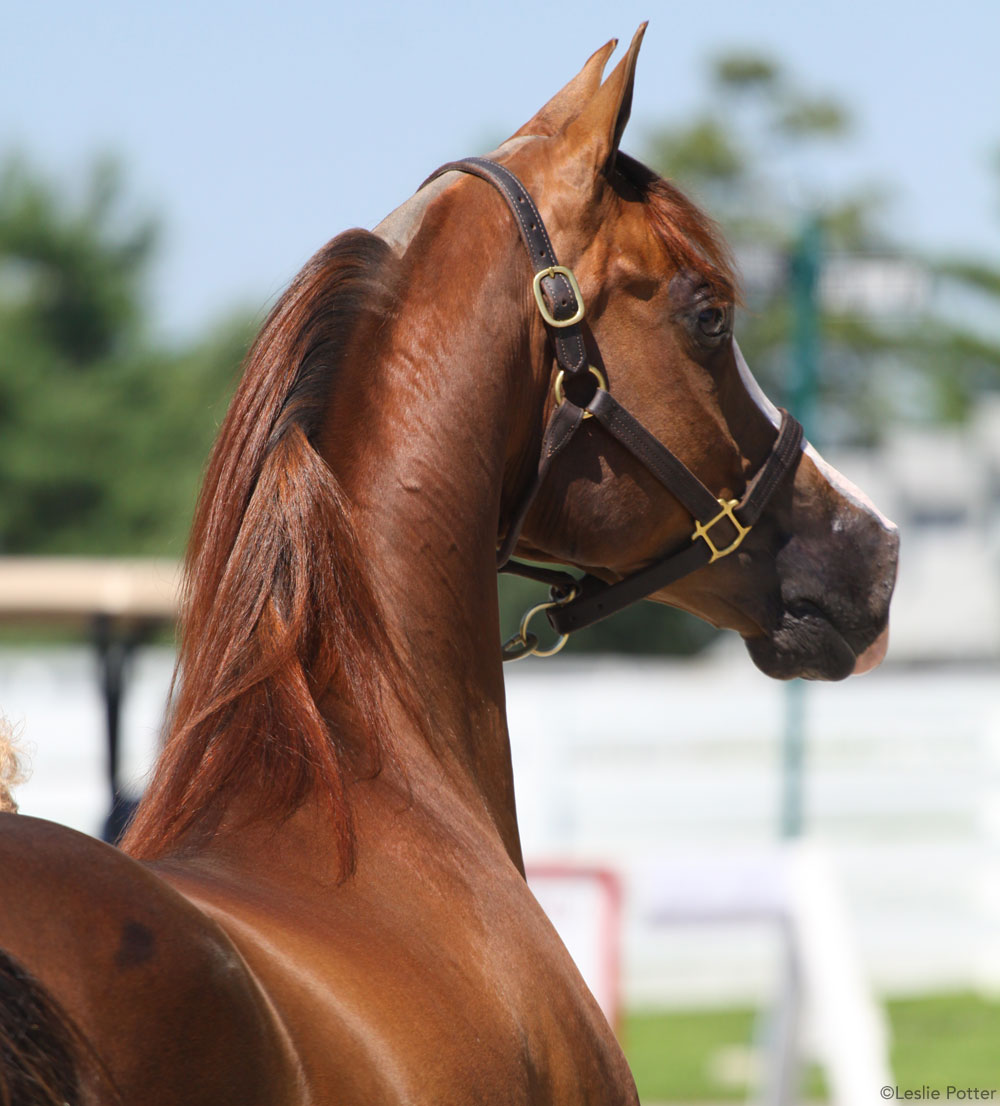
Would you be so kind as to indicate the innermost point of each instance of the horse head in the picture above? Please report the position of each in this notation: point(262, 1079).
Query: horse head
point(808, 586)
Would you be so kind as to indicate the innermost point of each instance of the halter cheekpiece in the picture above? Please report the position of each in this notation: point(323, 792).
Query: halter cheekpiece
point(581, 392)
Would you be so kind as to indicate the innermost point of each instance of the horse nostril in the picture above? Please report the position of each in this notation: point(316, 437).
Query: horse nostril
point(805, 608)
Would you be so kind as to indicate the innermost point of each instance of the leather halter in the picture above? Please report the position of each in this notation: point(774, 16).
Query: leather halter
point(720, 524)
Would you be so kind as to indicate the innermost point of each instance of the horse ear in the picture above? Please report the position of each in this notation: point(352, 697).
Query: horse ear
point(599, 127)
point(569, 101)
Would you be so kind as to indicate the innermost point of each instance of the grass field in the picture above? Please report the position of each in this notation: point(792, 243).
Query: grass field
point(703, 1056)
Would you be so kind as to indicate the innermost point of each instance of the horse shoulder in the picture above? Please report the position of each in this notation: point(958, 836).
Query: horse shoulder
point(436, 982)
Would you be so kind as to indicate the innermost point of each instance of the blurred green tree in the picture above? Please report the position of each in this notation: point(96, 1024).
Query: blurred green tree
point(103, 431)
point(754, 156)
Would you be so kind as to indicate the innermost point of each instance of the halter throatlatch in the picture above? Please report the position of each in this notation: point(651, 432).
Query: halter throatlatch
point(720, 524)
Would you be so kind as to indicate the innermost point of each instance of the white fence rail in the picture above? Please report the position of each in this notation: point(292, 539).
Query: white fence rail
point(902, 786)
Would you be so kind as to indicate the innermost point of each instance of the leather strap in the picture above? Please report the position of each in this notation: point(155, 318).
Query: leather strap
point(783, 459)
point(570, 351)
point(560, 581)
point(562, 425)
point(671, 472)
point(596, 599)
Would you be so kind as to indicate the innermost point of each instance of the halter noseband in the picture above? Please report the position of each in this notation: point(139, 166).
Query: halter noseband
point(578, 602)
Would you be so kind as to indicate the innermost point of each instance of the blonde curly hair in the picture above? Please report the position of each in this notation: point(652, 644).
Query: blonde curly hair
point(12, 770)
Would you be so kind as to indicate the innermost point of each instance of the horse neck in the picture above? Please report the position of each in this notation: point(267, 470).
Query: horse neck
point(422, 451)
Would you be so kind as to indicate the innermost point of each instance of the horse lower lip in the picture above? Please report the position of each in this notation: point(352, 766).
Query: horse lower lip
point(872, 656)
point(808, 643)
point(867, 658)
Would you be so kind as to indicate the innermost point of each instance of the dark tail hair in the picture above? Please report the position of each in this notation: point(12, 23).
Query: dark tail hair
point(44, 1059)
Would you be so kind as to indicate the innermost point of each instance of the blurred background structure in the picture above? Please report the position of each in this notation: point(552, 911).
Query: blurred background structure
point(165, 171)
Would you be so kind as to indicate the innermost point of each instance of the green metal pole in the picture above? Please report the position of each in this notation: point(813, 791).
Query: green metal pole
point(806, 259)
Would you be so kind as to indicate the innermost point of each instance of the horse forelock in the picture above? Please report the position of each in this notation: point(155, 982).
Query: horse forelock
point(691, 237)
point(280, 616)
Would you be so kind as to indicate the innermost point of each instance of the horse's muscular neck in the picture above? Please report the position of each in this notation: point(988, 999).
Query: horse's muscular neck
point(425, 467)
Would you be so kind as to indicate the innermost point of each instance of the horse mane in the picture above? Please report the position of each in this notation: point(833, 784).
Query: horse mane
point(692, 238)
point(280, 617)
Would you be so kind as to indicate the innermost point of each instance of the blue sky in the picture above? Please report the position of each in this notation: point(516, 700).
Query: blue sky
point(259, 130)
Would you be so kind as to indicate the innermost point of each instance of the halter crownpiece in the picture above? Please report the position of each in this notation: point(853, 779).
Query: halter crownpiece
point(720, 524)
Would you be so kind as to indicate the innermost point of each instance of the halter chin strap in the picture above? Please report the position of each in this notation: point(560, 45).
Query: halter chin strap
point(720, 524)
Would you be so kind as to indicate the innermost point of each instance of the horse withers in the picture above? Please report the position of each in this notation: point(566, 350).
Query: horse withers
point(321, 898)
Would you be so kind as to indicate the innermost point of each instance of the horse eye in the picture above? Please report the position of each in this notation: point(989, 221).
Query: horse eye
point(712, 321)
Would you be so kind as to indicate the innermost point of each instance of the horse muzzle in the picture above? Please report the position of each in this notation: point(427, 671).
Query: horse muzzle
point(831, 620)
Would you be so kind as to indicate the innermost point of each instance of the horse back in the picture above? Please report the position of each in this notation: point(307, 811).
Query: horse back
point(147, 996)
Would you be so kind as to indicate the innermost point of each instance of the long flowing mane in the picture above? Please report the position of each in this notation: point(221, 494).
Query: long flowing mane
point(280, 619)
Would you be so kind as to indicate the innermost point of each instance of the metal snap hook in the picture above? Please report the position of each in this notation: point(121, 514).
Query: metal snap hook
point(525, 644)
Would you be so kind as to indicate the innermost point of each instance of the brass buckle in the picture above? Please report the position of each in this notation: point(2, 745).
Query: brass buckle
point(702, 528)
point(560, 394)
point(536, 287)
point(525, 644)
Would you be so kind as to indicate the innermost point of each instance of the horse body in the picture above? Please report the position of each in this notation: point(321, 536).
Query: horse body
point(432, 976)
point(328, 898)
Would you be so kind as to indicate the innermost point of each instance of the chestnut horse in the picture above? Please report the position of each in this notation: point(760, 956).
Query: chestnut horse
point(322, 896)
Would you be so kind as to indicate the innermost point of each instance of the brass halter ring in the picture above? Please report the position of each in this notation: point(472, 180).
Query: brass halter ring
point(525, 644)
point(560, 393)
